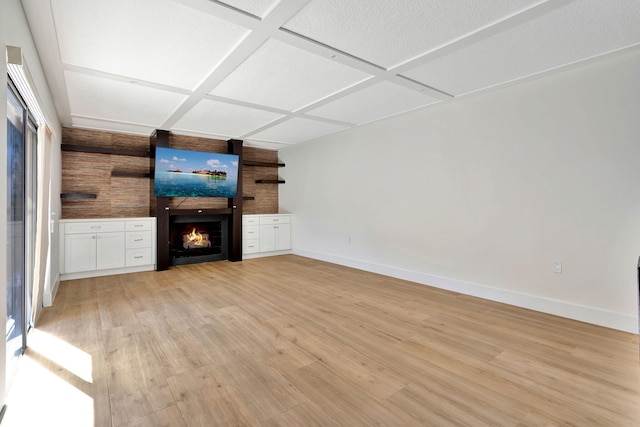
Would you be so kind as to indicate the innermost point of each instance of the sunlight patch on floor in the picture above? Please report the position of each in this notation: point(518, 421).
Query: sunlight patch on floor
point(62, 353)
point(47, 385)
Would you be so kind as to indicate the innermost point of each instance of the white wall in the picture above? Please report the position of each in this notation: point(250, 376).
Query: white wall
point(14, 31)
point(482, 194)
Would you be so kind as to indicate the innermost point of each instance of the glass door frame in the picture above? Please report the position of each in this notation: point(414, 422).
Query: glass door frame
point(29, 177)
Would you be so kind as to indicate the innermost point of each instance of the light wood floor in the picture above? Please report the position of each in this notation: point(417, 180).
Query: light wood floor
point(289, 341)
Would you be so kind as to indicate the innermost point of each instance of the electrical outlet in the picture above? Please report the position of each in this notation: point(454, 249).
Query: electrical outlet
point(557, 266)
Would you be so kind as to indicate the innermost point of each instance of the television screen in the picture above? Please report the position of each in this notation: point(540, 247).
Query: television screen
point(186, 173)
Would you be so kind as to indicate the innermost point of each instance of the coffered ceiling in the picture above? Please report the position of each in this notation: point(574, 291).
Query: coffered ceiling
point(275, 73)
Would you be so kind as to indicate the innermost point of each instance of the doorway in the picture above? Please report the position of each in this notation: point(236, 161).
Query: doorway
point(20, 205)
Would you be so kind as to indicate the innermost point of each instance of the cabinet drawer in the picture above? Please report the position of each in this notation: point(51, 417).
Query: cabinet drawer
point(250, 246)
point(138, 257)
point(250, 232)
point(284, 219)
point(138, 239)
point(93, 227)
point(142, 225)
point(250, 220)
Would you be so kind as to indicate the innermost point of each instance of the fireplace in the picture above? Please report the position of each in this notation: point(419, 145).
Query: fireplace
point(198, 238)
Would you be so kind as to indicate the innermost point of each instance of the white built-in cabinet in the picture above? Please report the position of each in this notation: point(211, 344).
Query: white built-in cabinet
point(264, 235)
point(106, 246)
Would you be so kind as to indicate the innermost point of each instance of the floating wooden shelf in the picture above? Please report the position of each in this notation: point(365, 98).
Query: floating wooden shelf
point(269, 181)
point(126, 174)
point(77, 196)
point(103, 150)
point(263, 164)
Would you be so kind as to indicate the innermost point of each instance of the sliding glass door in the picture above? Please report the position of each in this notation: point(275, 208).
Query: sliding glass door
point(21, 144)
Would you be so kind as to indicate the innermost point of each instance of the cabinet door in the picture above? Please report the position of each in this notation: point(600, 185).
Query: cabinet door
point(79, 252)
point(283, 237)
point(110, 250)
point(268, 240)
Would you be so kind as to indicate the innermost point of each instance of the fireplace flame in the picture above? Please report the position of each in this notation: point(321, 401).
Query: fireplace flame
point(194, 237)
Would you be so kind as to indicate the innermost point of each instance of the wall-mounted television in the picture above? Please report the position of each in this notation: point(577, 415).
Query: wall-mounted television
point(187, 173)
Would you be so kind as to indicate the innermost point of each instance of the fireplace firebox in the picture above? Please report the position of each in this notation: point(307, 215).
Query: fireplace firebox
point(198, 238)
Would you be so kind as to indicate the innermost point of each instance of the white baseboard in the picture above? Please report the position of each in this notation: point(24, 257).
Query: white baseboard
point(265, 254)
point(569, 310)
point(110, 272)
point(48, 297)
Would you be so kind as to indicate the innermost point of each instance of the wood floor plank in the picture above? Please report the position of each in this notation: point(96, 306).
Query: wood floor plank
point(291, 341)
point(167, 417)
point(205, 401)
point(263, 390)
point(443, 404)
point(344, 402)
point(351, 365)
point(305, 414)
point(605, 401)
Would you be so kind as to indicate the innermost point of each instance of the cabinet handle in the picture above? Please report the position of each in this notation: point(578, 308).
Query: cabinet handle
point(138, 225)
point(93, 237)
point(96, 227)
point(137, 240)
point(138, 257)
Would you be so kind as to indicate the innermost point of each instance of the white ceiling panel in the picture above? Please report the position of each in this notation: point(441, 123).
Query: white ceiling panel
point(577, 31)
point(158, 41)
point(297, 130)
point(95, 97)
point(254, 7)
point(388, 33)
point(286, 77)
point(374, 102)
point(223, 119)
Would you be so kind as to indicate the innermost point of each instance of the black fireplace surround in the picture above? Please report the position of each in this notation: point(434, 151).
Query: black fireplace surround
point(198, 238)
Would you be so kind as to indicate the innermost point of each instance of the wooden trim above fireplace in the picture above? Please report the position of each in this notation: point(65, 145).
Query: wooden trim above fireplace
point(174, 211)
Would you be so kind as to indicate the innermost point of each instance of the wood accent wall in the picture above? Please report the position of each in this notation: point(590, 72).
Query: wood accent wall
point(90, 173)
point(266, 195)
point(116, 197)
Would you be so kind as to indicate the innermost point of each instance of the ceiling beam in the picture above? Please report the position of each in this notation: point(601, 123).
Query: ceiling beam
point(256, 37)
point(483, 33)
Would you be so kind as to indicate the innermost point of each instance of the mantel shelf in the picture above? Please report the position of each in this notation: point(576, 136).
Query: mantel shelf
point(103, 150)
point(263, 164)
point(269, 181)
point(178, 211)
